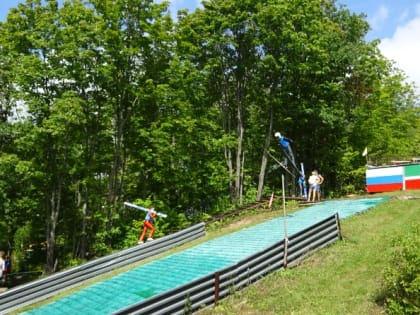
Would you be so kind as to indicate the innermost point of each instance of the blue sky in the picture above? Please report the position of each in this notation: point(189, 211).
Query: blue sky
point(395, 22)
point(383, 15)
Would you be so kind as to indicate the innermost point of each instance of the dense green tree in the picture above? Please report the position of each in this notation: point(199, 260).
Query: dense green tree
point(107, 101)
point(38, 76)
point(227, 38)
point(297, 74)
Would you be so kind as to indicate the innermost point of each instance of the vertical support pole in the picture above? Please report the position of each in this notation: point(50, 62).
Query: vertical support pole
point(270, 203)
point(337, 218)
point(216, 287)
point(404, 186)
point(284, 223)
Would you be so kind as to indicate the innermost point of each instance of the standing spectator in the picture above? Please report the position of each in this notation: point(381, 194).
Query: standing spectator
point(318, 186)
point(2, 266)
point(302, 186)
point(8, 266)
point(313, 182)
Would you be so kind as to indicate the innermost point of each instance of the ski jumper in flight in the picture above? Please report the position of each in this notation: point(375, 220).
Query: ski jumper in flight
point(285, 146)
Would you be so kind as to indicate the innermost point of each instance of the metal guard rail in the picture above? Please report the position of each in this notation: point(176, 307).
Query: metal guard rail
point(43, 288)
point(207, 290)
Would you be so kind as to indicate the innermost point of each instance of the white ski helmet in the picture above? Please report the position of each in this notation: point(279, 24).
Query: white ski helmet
point(277, 134)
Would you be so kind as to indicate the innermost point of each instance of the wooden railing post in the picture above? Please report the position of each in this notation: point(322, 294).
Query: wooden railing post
point(286, 241)
point(216, 287)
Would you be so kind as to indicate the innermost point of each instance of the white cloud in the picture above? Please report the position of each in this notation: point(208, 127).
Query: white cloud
point(379, 17)
point(404, 48)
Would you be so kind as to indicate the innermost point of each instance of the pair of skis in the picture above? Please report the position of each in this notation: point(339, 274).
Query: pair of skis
point(132, 205)
point(301, 172)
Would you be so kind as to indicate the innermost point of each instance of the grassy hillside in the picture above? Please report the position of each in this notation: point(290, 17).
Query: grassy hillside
point(345, 278)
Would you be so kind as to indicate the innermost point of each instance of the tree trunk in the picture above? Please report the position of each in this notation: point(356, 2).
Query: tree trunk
point(84, 231)
point(264, 156)
point(239, 154)
point(240, 131)
point(54, 204)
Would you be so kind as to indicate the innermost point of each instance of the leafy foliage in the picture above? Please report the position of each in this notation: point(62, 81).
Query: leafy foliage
point(106, 101)
point(402, 277)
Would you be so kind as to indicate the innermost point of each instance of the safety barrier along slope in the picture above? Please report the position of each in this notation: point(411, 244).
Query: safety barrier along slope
point(46, 287)
point(207, 290)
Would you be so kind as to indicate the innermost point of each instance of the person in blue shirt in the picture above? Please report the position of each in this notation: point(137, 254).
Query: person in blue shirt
point(148, 225)
point(302, 186)
point(285, 145)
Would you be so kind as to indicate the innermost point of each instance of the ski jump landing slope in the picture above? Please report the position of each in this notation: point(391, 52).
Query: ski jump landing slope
point(180, 268)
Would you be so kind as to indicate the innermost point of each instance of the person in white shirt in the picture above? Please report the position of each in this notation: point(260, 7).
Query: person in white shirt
point(313, 182)
point(2, 266)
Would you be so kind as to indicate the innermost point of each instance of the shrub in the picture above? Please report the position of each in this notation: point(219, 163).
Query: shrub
point(402, 277)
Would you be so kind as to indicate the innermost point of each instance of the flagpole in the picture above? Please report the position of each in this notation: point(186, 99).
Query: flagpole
point(365, 153)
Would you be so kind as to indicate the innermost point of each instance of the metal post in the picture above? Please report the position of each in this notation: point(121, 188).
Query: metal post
point(337, 218)
point(284, 223)
point(216, 287)
point(270, 203)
